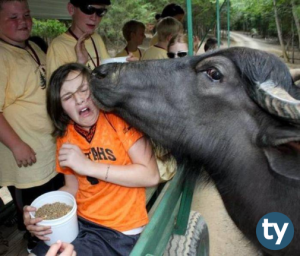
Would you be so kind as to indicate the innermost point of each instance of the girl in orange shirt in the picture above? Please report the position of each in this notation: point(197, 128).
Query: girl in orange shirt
point(106, 163)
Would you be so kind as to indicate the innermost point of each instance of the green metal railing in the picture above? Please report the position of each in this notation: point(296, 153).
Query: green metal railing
point(214, 21)
point(169, 214)
point(190, 26)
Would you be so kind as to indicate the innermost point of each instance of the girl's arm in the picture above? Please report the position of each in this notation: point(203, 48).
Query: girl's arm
point(143, 172)
point(71, 184)
point(23, 153)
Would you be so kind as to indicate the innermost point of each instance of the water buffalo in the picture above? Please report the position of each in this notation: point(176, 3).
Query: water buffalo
point(236, 111)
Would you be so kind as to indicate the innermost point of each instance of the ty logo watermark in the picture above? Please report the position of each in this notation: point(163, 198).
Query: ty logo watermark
point(275, 231)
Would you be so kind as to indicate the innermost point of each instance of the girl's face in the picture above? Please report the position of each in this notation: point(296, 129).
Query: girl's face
point(76, 100)
point(15, 22)
point(178, 47)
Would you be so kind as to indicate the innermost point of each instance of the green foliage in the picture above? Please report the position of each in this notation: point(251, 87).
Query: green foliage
point(246, 15)
point(204, 16)
point(158, 5)
point(144, 11)
point(118, 14)
point(47, 29)
point(259, 14)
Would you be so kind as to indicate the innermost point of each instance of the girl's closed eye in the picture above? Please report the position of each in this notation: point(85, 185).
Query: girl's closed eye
point(84, 89)
point(66, 98)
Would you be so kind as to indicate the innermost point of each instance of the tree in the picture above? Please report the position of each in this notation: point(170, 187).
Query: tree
point(296, 14)
point(279, 31)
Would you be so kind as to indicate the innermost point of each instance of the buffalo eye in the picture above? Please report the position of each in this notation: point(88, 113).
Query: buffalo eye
point(214, 74)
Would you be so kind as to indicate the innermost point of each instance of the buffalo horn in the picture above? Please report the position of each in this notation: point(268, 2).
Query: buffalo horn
point(277, 101)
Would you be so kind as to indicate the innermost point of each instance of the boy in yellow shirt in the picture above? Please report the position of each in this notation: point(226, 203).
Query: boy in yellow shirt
point(80, 43)
point(134, 34)
point(27, 149)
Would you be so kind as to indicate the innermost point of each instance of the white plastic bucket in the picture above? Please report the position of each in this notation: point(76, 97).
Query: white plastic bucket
point(114, 60)
point(64, 228)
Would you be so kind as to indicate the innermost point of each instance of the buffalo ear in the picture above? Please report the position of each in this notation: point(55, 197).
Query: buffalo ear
point(282, 149)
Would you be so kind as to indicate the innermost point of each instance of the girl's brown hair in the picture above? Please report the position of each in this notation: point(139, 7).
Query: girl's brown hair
point(55, 110)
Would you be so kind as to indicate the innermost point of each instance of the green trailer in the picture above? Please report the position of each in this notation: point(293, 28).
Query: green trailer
point(173, 228)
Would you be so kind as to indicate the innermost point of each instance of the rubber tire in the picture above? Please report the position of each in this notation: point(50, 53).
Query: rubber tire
point(194, 242)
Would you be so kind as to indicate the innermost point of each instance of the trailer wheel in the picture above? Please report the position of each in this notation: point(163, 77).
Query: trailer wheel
point(194, 242)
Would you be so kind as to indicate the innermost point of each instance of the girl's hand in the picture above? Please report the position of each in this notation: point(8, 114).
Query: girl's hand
point(38, 231)
point(81, 52)
point(24, 154)
point(62, 249)
point(71, 156)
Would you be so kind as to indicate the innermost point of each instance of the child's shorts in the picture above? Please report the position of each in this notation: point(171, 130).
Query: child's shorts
point(96, 240)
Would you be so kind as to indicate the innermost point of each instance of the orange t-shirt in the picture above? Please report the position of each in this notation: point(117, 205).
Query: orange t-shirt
point(114, 206)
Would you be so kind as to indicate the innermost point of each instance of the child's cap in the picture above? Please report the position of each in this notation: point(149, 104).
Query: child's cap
point(89, 2)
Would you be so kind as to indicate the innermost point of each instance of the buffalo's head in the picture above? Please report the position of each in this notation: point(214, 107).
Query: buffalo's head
point(238, 101)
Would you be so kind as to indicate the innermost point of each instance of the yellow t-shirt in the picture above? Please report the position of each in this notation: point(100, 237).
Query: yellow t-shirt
point(155, 53)
point(23, 104)
point(62, 51)
point(111, 205)
point(154, 40)
point(138, 53)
